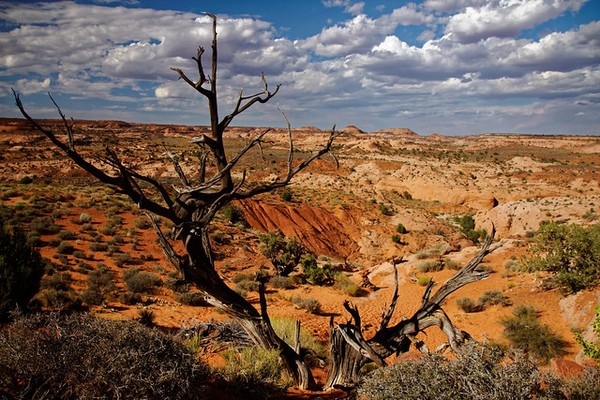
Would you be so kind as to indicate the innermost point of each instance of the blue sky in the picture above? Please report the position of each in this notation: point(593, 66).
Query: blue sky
point(454, 67)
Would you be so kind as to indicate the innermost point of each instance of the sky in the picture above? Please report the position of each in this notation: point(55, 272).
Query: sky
point(452, 67)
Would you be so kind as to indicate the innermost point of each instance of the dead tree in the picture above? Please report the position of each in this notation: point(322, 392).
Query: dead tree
point(195, 202)
point(350, 351)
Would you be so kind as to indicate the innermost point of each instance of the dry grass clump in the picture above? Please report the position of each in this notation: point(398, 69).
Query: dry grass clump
point(79, 357)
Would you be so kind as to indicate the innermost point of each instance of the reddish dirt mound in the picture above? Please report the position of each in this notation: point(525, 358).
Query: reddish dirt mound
point(320, 230)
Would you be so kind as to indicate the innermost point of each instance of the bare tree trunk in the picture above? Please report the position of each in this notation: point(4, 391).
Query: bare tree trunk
point(350, 351)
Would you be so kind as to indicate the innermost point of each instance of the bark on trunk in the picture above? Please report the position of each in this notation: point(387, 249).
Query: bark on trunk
point(198, 268)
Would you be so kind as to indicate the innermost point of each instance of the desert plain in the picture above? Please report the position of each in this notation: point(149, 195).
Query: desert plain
point(345, 208)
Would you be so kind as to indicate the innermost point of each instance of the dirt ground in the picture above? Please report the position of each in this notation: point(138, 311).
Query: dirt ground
point(346, 214)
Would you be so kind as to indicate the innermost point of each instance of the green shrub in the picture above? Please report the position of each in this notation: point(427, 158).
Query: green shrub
point(122, 259)
point(245, 283)
point(570, 252)
point(285, 254)
point(21, 270)
point(80, 357)
point(233, 214)
point(466, 223)
point(84, 218)
point(286, 195)
point(423, 280)
point(401, 229)
point(130, 298)
point(476, 373)
point(385, 210)
point(141, 282)
point(313, 273)
point(525, 333)
point(100, 283)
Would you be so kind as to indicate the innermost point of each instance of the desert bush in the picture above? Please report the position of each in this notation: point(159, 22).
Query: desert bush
point(141, 223)
point(434, 252)
point(141, 282)
point(401, 229)
point(286, 195)
point(451, 264)
point(21, 270)
point(245, 282)
point(65, 248)
point(284, 253)
point(252, 373)
point(66, 234)
point(512, 265)
point(191, 299)
point(469, 305)
point(430, 266)
point(80, 357)
point(26, 180)
point(307, 303)
point(122, 259)
point(98, 246)
point(281, 282)
point(494, 297)
point(524, 332)
point(476, 373)
point(385, 210)
point(423, 280)
point(346, 285)
point(100, 284)
point(570, 252)
point(466, 224)
point(45, 226)
point(585, 386)
point(233, 214)
point(56, 291)
point(315, 274)
point(130, 298)
point(84, 218)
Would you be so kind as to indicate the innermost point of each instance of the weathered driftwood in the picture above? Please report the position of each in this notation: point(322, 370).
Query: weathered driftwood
point(350, 351)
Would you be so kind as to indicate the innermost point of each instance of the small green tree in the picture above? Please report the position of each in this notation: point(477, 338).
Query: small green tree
point(570, 252)
point(467, 227)
point(285, 254)
point(21, 270)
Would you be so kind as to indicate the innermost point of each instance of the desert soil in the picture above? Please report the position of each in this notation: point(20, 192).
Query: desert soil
point(511, 181)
